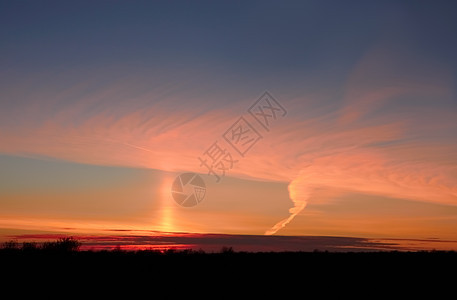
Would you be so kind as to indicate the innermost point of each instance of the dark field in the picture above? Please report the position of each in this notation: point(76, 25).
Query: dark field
point(228, 272)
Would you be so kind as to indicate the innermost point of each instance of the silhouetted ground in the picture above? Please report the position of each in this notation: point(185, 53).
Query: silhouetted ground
point(228, 273)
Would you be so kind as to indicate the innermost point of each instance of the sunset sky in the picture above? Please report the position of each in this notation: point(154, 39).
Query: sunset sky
point(104, 103)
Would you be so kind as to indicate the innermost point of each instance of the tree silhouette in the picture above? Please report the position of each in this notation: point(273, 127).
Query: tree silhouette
point(227, 250)
point(29, 246)
point(65, 244)
point(10, 245)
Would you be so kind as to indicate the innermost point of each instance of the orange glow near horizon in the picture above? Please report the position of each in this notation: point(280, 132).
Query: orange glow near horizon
point(367, 144)
point(166, 205)
point(344, 126)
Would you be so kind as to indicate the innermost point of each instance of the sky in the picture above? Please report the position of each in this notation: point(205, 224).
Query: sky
point(103, 104)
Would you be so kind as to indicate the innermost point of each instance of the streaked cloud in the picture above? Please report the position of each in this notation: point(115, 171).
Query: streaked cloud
point(371, 109)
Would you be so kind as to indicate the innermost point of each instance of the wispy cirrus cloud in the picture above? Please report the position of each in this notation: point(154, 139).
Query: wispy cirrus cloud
point(380, 144)
point(391, 133)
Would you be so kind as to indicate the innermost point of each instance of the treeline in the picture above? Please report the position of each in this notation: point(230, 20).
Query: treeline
point(70, 244)
point(63, 260)
point(64, 244)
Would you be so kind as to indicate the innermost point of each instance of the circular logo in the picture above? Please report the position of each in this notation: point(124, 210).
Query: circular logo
point(188, 189)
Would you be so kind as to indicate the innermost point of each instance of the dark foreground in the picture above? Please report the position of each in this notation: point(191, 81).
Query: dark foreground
point(227, 273)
